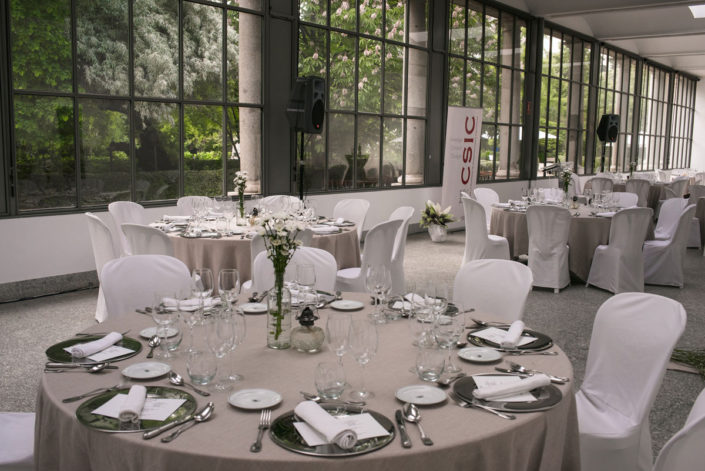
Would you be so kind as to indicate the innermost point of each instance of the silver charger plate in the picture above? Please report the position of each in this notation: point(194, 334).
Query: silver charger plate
point(546, 396)
point(284, 434)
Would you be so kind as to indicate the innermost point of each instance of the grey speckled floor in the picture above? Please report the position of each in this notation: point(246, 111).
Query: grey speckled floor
point(28, 327)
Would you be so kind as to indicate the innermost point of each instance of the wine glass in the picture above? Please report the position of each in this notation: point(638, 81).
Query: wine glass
point(440, 299)
point(221, 336)
point(202, 282)
point(228, 214)
point(362, 342)
point(240, 328)
point(378, 283)
point(229, 286)
point(166, 315)
point(447, 329)
point(337, 329)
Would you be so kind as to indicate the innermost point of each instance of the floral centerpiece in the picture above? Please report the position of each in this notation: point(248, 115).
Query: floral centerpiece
point(565, 176)
point(279, 232)
point(632, 167)
point(240, 181)
point(436, 220)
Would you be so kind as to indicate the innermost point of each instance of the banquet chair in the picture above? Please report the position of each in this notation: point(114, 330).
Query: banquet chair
point(574, 189)
point(696, 192)
point(130, 283)
point(126, 211)
point(498, 288)
point(699, 178)
point(323, 262)
point(549, 228)
point(663, 259)
point(624, 199)
point(104, 250)
point(600, 184)
point(378, 248)
point(17, 441)
point(695, 237)
point(147, 240)
point(186, 204)
point(486, 197)
point(478, 242)
point(632, 339)
point(404, 213)
point(276, 203)
point(619, 266)
point(668, 217)
point(683, 452)
point(354, 210)
point(664, 176)
point(677, 186)
point(641, 188)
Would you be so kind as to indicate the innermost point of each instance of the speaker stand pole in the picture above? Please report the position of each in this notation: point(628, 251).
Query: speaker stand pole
point(602, 162)
point(301, 168)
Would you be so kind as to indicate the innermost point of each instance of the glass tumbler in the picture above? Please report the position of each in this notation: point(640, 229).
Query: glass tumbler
point(329, 378)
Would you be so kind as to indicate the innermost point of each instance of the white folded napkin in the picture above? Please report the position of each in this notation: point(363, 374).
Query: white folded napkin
point(406, 305)
point(339, 221)
point(333, 430)
point(190, 304)
point(325, 229)
point(168, 218)
point(132, 407)
point(552, 201)
point(89, 348)
point(527, 384)
point(607, 214)
point(501, 205)
point(414, 298)
point(513, 335)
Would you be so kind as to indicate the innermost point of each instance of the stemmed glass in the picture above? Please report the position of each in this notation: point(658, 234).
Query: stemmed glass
point(337, 330)
point(221, 336)
point(229, 286)
point(166, 316)
point(240, 328)
point(447, 329)
point(228, 214)
point(378, 283)
point(440, 299)
point(362, 342)
point(202, 283)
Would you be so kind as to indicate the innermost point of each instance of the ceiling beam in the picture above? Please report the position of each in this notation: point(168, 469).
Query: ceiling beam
point(669, 34)
point(609, 7)
point(673, 54)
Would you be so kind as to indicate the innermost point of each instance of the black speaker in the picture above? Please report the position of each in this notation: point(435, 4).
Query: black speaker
point(608, 128)
point(307, 105)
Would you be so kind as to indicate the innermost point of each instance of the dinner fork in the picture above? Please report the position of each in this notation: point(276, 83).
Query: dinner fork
point(265, 420)
point(468, 405)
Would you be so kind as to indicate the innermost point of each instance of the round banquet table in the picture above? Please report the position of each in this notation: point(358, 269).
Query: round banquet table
point(652, 200)
point(463, 438)
point(234, 251)
point(586, 233)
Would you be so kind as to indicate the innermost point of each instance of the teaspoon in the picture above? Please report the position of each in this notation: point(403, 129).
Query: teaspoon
point(412, 414)
point(201, 416)
point(154, 342)
point(176, 379)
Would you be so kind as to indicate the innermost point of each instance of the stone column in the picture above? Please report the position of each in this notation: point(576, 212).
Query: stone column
point(417, 69)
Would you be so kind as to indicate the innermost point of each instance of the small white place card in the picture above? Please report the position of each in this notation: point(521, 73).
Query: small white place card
point(364, 425)
point(108, 353)
point(154, 409)
point(495, 335)
point(486, 381)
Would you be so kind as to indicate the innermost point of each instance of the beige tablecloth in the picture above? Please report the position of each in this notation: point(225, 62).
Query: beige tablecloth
point(234, 252)
point(652, 200)
point(464, 438)
point(586, 233)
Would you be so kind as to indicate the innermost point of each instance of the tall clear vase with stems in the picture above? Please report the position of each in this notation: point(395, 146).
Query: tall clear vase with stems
point(279, 314)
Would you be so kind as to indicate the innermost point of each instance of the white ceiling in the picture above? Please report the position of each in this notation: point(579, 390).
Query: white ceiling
point(661, 30)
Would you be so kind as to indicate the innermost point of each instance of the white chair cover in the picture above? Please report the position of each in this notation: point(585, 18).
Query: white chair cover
point(256, 246)
point(678, 187)
point(378, 248)
point(619, 266)
point(354, 210)
point(486, 197)
point(276, 203)
point(17, 441)
point(495, 287)
point(641, 188)
point(404, 213)
point(624, 199)
point(684, 451)
point(103, 251)
point(669, 214)
point(664, 176)
point(126, 211)
point(574, 189)
point(478, 243)
point(663, 259)
point(186, 204)
point(130, 283)
point(549, 228)
point(600, 184)
point(699, 178)
point(696, 192)
point(632, 339)
point(323, 262)
point(147, 240)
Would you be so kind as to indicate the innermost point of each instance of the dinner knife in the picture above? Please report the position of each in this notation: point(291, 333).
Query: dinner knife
point(153, 433)
point(405, 441)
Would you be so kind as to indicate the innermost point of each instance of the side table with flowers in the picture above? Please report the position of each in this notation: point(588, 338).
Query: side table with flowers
point(279, 231)
point(436, 220)
point(240, 181)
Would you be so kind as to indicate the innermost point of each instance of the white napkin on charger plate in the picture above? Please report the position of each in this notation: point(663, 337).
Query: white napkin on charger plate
point(513, 335)
point(339, 221)
point(190, 304)
point(89, 348)
point(325, 229)
point(168, 218)
point(132, 407)
point(501, 205)
point(333, 430)
point(607, 214)
point(525, 385)
point(409, 299)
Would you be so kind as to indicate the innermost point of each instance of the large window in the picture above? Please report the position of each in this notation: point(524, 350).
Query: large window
point(487, 60)
point(133, 99)
point(653, 118)
point(682, 115)
point(565, 92)
point(617, 88)
point(374, 59)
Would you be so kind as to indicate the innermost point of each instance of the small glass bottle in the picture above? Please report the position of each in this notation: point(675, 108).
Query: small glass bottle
point(307, 337)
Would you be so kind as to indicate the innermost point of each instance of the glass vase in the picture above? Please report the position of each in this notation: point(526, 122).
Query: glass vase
point(279, 316)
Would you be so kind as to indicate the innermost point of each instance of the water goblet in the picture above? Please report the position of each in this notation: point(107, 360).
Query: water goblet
point(239, 326)
point(337, 329)
point(229, 286)
point(221, 336)
point(378, 283)
point(447, 329)
point(362, 342)
point(202, 282)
